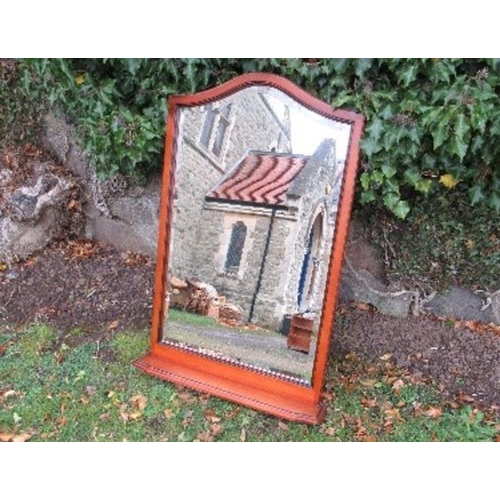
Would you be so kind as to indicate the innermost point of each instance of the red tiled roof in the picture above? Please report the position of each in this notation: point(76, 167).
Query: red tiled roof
point(262, 178)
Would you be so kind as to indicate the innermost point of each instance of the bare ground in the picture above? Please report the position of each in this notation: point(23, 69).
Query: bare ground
point(96, 290)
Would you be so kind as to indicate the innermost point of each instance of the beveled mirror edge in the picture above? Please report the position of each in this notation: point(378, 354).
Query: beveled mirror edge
point(295, 402)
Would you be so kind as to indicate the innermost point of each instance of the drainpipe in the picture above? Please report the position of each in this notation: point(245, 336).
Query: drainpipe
point(262, 265)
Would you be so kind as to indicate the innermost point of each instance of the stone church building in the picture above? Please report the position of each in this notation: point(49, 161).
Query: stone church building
point(250, 217)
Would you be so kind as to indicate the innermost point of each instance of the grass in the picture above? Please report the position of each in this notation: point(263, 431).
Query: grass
point(50, 391)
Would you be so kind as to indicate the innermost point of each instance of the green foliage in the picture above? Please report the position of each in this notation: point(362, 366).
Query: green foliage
point(444, 241)
point(21, 111)
point(425, 117)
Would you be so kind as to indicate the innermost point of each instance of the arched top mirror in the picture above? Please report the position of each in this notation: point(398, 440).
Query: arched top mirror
point(257, 192)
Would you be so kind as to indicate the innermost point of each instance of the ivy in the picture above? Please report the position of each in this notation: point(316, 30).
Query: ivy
point(426, 118)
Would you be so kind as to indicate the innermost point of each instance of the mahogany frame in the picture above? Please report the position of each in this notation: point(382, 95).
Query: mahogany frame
point(281, 398)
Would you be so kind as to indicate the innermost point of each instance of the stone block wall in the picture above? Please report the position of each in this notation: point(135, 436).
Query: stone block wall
point(198, 170)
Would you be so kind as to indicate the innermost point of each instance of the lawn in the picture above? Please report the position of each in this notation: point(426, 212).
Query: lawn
point(80, 388)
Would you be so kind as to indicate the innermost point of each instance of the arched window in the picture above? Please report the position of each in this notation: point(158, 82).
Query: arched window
point(215, 127)
point(235, 250)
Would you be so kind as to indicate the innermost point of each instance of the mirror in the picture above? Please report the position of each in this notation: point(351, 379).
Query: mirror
point(258, 184)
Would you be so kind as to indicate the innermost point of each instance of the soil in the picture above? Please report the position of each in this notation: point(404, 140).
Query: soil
point(95, 290)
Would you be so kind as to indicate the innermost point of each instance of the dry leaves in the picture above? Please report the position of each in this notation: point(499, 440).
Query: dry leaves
point(15, 438)
point(113, 325)
point(243, 434)
point(433, 412)
point(398, 385)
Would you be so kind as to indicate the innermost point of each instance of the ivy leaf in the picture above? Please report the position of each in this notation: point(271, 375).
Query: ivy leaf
point(391, 199)
point(365, 180)
point(401, 209)
point(389, 171)
point(412, 176)
point(476, 194)
point(461, 127)
point(378, 177)
point(424, 185)
point(361, 66)
point(406, 77)
point(439, 135)
point(375, 129)
point(494, 201)
point(367, 197)
point(459, 147)
point(370, 146)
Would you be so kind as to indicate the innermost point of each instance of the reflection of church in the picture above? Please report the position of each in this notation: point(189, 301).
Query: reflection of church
point(251, 218)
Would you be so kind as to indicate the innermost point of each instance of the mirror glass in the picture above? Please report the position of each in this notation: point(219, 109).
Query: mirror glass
point(257, 184)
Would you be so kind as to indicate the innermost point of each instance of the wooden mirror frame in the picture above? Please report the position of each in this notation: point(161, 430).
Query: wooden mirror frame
point(281, 398)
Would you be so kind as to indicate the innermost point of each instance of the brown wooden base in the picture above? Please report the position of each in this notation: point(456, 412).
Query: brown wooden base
point(280, 406)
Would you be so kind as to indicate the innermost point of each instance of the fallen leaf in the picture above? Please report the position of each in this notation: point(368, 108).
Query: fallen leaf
point(362, 306)
point(139, 402)
point(397, 386)
point(231, 414)
point(6, 436)
point(370, 382)
point(168, 413)
point(386, 357)
point(113, 325)
point(368, 403)
point(3, 348)
point(16, 438)
point(433, 412)
point(243, 434)
point(392, 413)
point(104, 416)
point(135, 415)
point(370, 439)
point(466, 398)
point(282, 426)
point(186, 397)
point(330, 431)
point(212, 417)
point(216, 429)
point(204, 436)
point(123, 414)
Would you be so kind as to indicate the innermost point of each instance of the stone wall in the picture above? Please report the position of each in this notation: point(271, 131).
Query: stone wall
point(198, 170)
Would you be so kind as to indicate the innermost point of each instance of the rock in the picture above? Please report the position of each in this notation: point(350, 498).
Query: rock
point(133, 225)
point(27, 203)
point(362, 253)
point(128, 219)
point(359, 285)
point(55, 138)
point(460, 303)
point(19, 240)
point(32, 215)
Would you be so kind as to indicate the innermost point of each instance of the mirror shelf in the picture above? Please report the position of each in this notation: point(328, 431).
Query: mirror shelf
point(257, 191)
